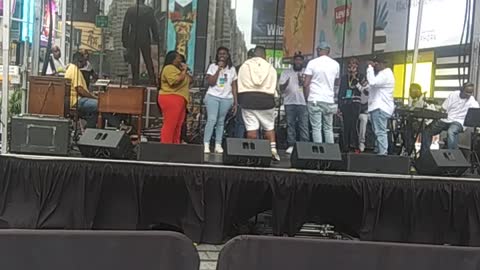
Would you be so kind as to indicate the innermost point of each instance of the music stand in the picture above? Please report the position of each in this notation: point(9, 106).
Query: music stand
point(473, 120)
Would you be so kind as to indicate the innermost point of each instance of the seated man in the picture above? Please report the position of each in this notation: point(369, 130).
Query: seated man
point(456, 106)
point(80, 97)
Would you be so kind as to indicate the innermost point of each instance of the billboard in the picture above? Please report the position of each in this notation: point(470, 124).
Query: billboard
point(442, 23)
point(349, 18)
point(391, 25)
point(299, 34)
point(182, 28)
point(267, 28)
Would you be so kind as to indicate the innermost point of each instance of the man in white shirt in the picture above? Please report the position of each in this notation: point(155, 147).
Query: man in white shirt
point(291, 86)
point(456, 106)
point(380, 101)
point(321, 81)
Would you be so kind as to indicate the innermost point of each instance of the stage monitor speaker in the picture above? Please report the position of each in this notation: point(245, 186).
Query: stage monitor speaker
point(46, 135)
point(442, 162)
point(104, 143)
point(246, 152)
point(178, 153)
point(315, 156)
point(371, 163)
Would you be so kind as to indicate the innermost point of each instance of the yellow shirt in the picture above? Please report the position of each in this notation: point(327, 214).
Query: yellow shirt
point(170, 85)
point(76, 78)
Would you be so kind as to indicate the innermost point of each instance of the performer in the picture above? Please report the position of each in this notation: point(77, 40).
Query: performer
point(56, 67)
point(322, 77)
point(221, 95)
point(349, 101)
point(239, 131)
point(456, 106)
point(139, 32)
point(257, 81)
point(416, 100)
point(87, 102)
point(291, 85)
point(173, 97)
point(380, 103)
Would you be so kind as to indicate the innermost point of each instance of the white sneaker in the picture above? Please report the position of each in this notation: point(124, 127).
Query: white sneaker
point(289, 150)
point(207, 148)
point(218, 149)
point(362, 147)
point(275, 155)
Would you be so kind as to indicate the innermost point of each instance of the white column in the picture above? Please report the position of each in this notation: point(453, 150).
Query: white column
point(6, 62)
point(417, 40)
point(63, 38)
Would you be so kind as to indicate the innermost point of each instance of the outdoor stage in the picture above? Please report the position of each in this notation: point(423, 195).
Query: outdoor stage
point(209, 202)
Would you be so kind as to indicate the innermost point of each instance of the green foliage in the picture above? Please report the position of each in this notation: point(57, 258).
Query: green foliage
point(15, 104)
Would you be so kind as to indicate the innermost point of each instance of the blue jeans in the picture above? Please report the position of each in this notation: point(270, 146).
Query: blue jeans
point(297, 122)
point(321, 119)
point(379, 120)
point(239, 130)
point(87, 109)
point(453, 129)
point(217, 110)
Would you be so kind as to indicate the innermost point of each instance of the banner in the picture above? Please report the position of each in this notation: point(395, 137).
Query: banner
point(355, 17)
point(391, 25)
point(182, 27)
point(299, 32)
point(267, 28)
point(442, 23)
point(275, 57)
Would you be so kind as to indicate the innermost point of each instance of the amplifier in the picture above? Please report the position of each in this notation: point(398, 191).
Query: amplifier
point(246, 152)
point(371, 163)
point(104, 143)
point(40, 135)
point(178, 153)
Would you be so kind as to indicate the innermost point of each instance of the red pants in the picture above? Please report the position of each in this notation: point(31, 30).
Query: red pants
point(173, 111)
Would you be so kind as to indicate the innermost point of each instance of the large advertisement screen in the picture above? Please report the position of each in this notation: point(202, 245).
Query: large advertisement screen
point(299, 32)
point(182, 18)
point(268, 23)
point(351, 21)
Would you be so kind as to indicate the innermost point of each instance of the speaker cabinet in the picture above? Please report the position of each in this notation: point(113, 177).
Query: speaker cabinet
point(103, 143)
point(314, 156)
point(442, 162)
point(178, 153)
point(371, 163)
point(40, 135)
point(245, 152)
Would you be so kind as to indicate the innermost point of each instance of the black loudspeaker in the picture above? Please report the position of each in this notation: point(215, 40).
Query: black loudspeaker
point(245, 152)
point(315, 156)
point(103, 143)
point(179, 153)
point(442, 162)
point(40, 135)
point(370, 163)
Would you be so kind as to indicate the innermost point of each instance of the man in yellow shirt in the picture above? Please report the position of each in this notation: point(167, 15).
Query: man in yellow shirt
point(80, 97)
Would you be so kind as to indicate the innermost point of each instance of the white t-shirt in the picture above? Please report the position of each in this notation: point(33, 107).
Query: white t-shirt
point(457, 107)
point(223, 88)
point(381, 90)
point(324, 71)
point(293, 94)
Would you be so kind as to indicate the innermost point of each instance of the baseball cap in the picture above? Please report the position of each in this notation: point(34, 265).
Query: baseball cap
point(379, 58)
point(323, 46)
point(298, 54)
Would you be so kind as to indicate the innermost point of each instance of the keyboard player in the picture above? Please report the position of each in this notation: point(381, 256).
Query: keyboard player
point(85, 102)
point(456, 107)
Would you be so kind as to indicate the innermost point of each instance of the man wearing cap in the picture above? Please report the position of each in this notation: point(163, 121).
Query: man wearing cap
point(380, 102)
point(321, 82)
point(291, 86)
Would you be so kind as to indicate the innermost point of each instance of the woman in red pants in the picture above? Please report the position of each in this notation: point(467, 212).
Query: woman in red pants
point(173, 97)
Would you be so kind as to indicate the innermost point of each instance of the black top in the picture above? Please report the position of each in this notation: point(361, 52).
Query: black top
point(349, 93)
point(256, 101)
